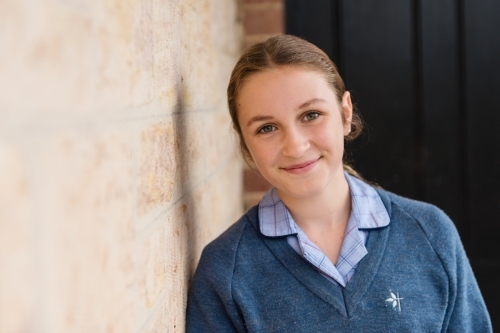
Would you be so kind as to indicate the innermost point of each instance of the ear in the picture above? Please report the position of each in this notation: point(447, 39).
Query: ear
point(347, 110)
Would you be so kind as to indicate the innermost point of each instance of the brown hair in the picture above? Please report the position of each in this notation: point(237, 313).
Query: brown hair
point(280, 51)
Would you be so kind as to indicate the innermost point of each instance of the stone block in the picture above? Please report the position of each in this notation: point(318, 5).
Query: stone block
point(141, 73)
point(225, 15)
point(221, 139)
point(225, 64)
point(88, 57)
point(158, 321)
point(167, 53)
point(216, 204)
point(152, 263)
point(163, 267)
point(87, 239)
point(201, 226)
point(118, 62)
point(18, 271)
point(48, 52)
point(177, 253)
point(199, 65)
point(223, 185)
point(157, 166)
point(191, 149)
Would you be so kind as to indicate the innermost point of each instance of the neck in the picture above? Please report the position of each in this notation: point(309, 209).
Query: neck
point(329, 209)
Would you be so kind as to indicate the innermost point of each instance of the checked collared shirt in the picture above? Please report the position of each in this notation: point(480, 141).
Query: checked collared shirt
point(368, 212)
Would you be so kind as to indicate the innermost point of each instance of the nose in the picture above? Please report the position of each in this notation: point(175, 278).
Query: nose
point(294, 143)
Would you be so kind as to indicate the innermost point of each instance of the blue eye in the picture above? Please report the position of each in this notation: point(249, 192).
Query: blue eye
point(311, 116)
point(266, 129)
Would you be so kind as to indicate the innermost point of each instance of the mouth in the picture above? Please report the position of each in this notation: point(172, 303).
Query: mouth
point(302, 167)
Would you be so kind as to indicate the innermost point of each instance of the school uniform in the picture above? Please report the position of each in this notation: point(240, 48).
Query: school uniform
point(402, 268)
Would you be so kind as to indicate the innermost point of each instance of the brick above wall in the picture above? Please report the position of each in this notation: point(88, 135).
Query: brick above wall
point(255, 186)
point(262, 19)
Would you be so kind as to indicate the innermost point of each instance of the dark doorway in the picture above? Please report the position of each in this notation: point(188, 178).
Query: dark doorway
point(425, 75)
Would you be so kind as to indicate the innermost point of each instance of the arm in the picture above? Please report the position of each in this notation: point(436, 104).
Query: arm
point(468, 311)
point(208, 310)
point(211, 307)
point(465, 310)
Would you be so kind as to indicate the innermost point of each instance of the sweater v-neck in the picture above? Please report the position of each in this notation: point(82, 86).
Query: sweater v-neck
point(344, 300)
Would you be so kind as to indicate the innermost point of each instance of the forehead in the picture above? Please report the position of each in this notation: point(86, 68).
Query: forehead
point(282, 88)
point(283, 73)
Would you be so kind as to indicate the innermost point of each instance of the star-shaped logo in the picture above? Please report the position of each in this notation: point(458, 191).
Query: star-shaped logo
point(395, 300)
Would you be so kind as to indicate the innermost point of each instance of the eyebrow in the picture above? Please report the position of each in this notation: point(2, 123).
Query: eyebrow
point(258, 118)
point(301, 106)
point(310, 102)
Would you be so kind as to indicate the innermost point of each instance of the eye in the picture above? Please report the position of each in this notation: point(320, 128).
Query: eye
point(266, 129)
point(310, 116)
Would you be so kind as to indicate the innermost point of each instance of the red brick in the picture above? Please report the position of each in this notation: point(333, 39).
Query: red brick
point(253, 181)
point(264, 20)
point(252, 198)
point(262, 1)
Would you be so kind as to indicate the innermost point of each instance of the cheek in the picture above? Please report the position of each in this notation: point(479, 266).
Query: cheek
point(248, 143)
point(261, 151)
point(331, 137)
point(264, 154)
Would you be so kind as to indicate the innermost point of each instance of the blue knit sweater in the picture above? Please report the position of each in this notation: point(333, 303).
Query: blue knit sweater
point(415, 278)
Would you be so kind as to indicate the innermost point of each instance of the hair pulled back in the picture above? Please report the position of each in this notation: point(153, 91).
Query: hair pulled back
point(286, 51)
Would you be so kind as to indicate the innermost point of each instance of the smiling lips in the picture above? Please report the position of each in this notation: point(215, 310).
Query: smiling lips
point(302, 167)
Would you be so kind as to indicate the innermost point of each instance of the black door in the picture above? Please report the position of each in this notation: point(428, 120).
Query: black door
point(425, 75)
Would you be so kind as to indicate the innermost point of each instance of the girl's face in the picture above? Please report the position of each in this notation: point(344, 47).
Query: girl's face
point(291, 122)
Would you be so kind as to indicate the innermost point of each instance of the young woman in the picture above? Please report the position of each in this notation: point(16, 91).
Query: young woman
point(323, 251)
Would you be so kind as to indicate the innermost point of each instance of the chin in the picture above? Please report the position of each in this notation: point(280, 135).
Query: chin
point(302, 192)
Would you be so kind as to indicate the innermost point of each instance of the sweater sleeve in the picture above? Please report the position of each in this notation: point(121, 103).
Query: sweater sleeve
point(208, 310)
point(467, 312)
point(211, 307)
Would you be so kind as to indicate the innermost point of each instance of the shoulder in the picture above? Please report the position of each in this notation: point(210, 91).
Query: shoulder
point(437, 227)
point(229, 240)
point(430, 217)
point(219, 256)
point(428, 226)
point(211, 306)
point(416, 217)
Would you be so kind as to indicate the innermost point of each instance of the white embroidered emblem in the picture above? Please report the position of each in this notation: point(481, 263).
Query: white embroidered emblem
point(395, 300)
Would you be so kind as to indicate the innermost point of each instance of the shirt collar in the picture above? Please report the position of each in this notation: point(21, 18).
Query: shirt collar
point(368, 211)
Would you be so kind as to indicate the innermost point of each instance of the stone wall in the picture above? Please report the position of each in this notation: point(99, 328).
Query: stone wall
point(117, 162)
